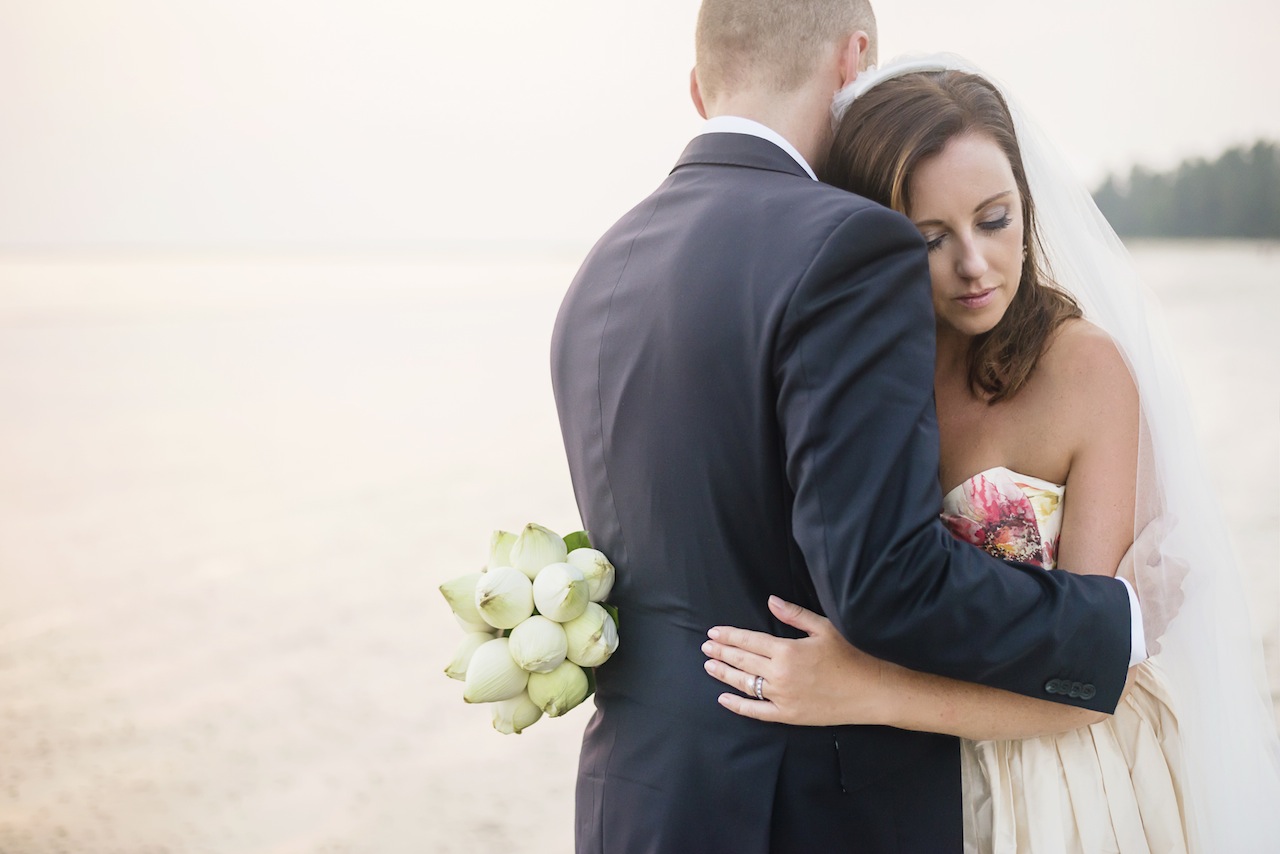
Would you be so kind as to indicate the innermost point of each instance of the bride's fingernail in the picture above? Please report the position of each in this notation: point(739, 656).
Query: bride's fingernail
point(713, 633)
point(709, 666)
point(707, 647)
point(775, 601)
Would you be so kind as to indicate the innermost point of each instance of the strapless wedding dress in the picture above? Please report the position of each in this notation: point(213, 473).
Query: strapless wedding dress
point(1111, 787)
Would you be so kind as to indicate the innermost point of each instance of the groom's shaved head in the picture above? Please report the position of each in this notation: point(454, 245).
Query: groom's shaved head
point(775, 44)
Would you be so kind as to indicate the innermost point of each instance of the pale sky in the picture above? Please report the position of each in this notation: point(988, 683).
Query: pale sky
point(385, 124)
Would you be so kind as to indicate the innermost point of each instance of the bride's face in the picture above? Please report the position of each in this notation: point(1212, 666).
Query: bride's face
point(965, 202)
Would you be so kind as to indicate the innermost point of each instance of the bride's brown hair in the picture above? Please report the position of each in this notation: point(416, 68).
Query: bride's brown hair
point(881, 139)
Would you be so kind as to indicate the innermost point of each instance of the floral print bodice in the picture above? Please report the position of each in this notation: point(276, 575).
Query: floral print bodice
point(1013, 516)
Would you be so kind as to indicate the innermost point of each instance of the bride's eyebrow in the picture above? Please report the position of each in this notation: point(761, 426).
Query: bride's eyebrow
point(997, 197)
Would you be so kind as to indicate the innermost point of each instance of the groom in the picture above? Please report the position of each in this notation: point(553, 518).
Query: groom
point(743, 369)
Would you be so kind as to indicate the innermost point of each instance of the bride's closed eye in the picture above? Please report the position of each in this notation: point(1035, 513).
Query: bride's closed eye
point(1002, 220)
point(999, 224)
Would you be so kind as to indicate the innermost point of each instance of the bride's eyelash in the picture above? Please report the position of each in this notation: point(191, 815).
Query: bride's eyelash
point(989, 226)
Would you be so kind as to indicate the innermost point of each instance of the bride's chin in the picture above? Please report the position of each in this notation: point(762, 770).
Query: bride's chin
point(963, 333)
point(974, 324)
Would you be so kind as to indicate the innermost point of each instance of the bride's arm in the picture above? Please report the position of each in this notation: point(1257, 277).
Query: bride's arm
point(822, 680)
point(1101, 424)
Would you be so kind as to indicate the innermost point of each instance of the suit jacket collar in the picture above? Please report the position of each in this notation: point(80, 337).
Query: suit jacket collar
point(738, 149)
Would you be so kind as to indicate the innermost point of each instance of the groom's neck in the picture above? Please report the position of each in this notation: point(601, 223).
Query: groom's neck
point(803, 118)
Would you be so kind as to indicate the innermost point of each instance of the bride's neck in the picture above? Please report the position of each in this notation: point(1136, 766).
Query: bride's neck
point(952, 365)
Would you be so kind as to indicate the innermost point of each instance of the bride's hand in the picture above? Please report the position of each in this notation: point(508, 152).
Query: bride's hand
point(819, 680)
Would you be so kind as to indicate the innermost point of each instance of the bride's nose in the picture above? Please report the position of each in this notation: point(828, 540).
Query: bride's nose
point(972, 264)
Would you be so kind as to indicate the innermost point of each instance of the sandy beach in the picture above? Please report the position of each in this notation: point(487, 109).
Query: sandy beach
point(230, 486)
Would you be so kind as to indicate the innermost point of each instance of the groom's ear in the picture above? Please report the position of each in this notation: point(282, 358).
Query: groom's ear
point(854, 57)
point(695, 93)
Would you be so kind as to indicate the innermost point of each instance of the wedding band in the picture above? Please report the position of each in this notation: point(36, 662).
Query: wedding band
point(759, 687)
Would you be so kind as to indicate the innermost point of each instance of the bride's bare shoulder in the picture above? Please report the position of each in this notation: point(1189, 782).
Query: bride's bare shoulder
point(1086, 369)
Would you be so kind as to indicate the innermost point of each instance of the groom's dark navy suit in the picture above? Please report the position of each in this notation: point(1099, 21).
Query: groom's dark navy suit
point(744, 374)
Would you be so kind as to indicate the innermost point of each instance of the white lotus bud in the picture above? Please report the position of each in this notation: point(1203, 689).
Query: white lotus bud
point(493, 674)
point(460, 593)
point(592, 637)
point(471, 628)
point(538, 644)
point(595, 567)
point(560, 592)
point(515, 715)
point(535, 548)
point(500, 543)
point(504, 597)
point(457, 668)
point(560, 690)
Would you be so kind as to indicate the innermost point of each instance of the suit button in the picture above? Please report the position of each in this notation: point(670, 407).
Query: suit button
point(1053, 686)
point(1088, 692)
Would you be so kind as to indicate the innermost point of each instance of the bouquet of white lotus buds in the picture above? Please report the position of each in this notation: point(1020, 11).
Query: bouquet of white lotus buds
point(536, 625)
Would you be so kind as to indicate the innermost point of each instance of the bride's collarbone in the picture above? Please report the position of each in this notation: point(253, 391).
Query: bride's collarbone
point(1023, 434)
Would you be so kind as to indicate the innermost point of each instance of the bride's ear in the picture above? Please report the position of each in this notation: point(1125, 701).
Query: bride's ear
point(854, 56)
point(695, 93)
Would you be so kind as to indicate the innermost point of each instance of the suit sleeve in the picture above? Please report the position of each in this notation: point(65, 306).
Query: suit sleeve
point(854, 364)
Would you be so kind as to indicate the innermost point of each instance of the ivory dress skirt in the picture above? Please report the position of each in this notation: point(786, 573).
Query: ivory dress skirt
point(1111, 788)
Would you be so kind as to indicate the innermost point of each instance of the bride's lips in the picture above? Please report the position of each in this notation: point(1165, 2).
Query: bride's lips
point(978, 300)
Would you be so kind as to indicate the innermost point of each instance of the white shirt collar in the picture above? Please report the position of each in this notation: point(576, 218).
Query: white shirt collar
point(737, 124)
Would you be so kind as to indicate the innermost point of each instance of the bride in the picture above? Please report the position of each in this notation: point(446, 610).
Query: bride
point(1064, 435)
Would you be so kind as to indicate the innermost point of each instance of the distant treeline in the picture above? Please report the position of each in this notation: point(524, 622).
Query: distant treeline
point(1237, 195)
